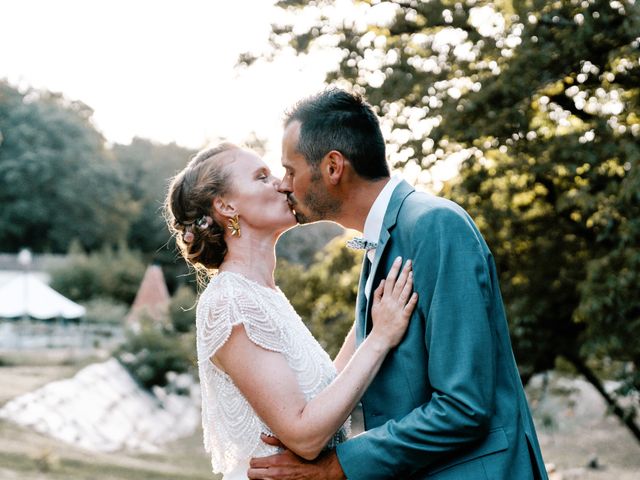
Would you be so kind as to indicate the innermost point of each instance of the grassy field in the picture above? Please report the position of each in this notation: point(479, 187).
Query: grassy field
point(572, 427)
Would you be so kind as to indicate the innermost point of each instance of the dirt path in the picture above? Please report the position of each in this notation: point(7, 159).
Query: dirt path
point(574, 430)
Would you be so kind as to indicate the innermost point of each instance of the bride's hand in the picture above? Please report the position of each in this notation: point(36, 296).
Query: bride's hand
point(393, 304)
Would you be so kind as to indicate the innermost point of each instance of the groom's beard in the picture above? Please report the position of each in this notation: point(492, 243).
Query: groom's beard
point(316, 205)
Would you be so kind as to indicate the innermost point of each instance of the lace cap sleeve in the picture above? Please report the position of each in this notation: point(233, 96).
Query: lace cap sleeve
point(230, 301)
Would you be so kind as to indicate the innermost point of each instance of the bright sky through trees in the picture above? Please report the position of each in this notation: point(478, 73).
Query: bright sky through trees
point(162, 70)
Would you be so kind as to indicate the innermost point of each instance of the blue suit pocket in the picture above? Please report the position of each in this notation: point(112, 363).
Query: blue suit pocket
point(495, 441)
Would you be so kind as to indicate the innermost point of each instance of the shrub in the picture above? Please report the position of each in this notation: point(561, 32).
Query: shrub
point(113, 274)
point(324, 294)
point(105, 311)
point(152, 352)
point(182, 309)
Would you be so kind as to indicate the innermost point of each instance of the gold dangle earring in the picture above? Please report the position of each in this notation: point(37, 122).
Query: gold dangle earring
point(234, 226)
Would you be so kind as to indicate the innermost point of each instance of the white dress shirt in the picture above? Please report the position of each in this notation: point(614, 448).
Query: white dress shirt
point(373, 223)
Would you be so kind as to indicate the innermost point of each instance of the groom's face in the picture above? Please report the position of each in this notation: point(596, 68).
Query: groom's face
point(304, 184)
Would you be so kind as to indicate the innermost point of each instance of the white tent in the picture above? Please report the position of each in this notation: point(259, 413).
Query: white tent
point(26, 295)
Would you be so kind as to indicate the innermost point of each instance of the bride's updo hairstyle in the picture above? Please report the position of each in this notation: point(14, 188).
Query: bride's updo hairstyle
point(189, 209)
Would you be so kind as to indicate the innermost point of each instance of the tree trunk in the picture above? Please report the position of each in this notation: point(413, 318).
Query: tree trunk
point(625, 417)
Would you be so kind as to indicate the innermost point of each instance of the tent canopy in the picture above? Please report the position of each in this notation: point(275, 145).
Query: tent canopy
point(26, 295)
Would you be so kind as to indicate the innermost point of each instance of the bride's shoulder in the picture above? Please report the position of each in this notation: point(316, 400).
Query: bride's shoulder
point(218, 284)
point(222, 286)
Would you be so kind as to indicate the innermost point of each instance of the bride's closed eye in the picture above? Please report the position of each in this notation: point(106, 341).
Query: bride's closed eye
point(263, 175)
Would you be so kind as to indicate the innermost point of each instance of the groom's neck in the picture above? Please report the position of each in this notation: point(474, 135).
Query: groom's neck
point(358, 198)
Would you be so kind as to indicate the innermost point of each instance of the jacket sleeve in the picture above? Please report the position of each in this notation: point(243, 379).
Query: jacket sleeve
point(452, 278)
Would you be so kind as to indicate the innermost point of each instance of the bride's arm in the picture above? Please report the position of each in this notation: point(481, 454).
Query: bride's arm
point(347, 350)
point(271, 386)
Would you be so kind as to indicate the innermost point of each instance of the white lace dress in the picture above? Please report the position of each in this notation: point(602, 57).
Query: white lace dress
point(231, 427)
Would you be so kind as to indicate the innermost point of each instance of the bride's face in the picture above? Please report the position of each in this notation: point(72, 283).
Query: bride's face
point(255, 196)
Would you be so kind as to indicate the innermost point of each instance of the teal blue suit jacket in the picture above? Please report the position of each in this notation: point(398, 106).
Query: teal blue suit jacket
point(448, 402)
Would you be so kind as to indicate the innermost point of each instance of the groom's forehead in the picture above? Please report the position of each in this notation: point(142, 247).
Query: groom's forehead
point(292, 163)
point(291, 134)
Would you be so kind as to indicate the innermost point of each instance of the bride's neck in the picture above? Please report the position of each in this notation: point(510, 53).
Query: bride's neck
point(252, 257)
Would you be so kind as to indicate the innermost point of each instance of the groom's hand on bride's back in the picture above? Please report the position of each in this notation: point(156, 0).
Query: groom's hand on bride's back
point(286, 465)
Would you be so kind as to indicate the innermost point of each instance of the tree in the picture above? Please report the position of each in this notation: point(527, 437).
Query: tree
point(301, 244)
point(538, 103)
point(147, 168)
point(112, 274)
point(57, 180)
point(324, 295)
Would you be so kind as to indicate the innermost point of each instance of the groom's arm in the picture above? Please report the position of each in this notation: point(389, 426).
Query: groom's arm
point(452, 279)
point(288, 466)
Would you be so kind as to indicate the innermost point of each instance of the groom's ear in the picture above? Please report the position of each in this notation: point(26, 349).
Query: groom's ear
point(334, 166)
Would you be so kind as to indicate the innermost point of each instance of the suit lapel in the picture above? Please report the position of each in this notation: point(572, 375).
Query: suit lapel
point(397, 198)
point(361, 301)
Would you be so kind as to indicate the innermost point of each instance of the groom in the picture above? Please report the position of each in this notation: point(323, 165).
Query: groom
point(448, 402)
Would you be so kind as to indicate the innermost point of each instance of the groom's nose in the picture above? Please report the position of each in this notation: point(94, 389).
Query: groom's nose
point(285, 185)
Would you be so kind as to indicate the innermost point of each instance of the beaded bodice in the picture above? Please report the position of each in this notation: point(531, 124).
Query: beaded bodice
point(231, 427)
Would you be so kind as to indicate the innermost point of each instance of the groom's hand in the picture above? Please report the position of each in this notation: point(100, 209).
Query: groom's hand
point(286, 465)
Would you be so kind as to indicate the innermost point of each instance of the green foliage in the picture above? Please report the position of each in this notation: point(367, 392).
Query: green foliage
point(57, 180)
point(324, 295)
point(60, 182)
point(109, 273)
point(105, 311)
point(539, 104)
point(155, 348)
point(182, 309)
point(147, 168)
point(152, 352)
point(301, 244)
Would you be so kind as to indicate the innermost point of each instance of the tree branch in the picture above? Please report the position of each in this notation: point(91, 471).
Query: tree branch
point(626, 417)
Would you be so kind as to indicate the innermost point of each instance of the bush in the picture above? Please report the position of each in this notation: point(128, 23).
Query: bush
point(152, 352)
point(182, 309)
point(105, 311)
point(114, 274)
point(324, 295)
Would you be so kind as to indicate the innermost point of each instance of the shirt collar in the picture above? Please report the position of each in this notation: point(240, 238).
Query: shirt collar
point(373, 224)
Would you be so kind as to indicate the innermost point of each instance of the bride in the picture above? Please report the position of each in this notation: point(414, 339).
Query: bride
point(261, 370)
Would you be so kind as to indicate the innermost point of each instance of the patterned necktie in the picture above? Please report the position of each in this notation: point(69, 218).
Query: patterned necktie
point(359, 243)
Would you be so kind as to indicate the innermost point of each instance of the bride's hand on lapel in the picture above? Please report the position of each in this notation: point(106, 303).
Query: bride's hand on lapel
point(393, 304)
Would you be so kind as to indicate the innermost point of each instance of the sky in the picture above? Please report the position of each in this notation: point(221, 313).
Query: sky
point(162, 70)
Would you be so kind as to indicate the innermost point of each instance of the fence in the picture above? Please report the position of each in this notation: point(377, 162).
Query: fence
point(33, 335)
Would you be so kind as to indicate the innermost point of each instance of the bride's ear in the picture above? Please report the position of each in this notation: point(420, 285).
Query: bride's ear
point(223, 208)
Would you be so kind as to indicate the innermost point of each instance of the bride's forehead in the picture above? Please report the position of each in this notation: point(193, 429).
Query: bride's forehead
point(246, 162)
